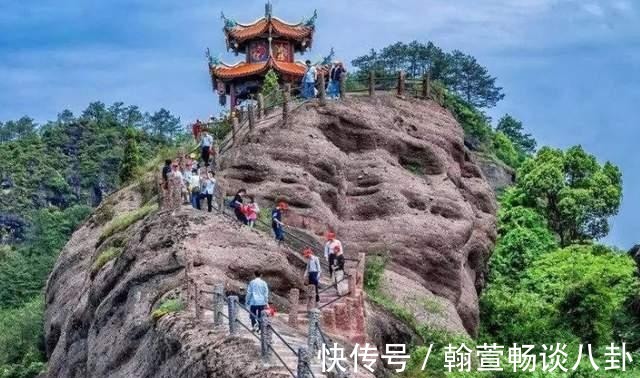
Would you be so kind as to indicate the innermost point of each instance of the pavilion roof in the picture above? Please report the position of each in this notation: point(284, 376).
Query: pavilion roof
point(242, 32)
point(244, 69)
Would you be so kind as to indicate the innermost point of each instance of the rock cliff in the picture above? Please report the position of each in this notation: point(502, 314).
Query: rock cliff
point(390, 175)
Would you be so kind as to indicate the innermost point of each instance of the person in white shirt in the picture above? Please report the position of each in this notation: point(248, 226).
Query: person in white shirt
point(195, 190)
point(257, 298)
point(330, 248)
point(206, 147)
point(309, 81)
point(313, 270)
point(208, 189)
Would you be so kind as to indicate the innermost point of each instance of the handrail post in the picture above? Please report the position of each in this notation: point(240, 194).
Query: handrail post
point(372, 83)
point(314, 339)
point(218, 305)
point(352, 282)
point(426, 85)
point(311, 297)
point(322, 92)
point(294, 300)
point(303, 363)
point(343, 91)
point(266, 336)
point(260, 105)
point(401, 82)
point(252, 117)
point(285, 103)
point(234, 128)
point(233, 315)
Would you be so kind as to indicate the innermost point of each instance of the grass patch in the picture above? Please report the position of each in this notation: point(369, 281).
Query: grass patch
point(373, 271)
point(432, 306)
point(146, 186)
point(104, 214)
point(107, 255)
point(168, 306)
point(123, 221)
point(392, 307)
point(414, 168)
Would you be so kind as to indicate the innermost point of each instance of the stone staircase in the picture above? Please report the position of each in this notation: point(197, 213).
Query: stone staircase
point(284, 359)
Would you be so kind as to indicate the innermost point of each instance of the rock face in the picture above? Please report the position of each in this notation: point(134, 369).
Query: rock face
point(499, 175)
point(98, 322)
point(392, 177)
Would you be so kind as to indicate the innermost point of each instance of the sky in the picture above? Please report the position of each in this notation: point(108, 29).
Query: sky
point(570, 69)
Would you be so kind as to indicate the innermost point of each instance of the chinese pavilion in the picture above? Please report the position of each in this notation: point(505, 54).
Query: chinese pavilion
point(268, 43)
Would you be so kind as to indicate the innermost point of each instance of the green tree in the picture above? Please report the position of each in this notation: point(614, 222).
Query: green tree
point(459, 72)
point(574, 193)
point(271, 89)
point(164, 125)
point(514, 130)
point(131, 159)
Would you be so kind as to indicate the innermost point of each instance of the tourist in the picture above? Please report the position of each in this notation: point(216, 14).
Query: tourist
point(251, 211)
point(276, 221)
point(257, 298)
point(334, 79)
point(176, 183)
point(194, 184)
point(313, 270)
point(329, 249)
point(196, 128)
point(237, 205)
point(206, 147)
point(208, 188)
point(309, 81)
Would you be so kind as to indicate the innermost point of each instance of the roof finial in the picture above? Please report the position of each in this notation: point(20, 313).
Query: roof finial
point(268, 9)
point(312, 21)
point(228, 23)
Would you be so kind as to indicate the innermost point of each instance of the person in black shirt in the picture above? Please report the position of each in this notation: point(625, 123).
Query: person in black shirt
point(237, 206)
point(165, 173)
point(276, 221)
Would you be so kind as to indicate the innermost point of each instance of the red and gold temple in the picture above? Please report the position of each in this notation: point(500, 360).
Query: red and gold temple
point(268, 43)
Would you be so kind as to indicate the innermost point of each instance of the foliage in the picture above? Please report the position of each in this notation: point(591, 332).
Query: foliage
point(24, 269)
point(457, 71)
point(271, 90)
point(132, 158)
point(373, 271)
point(506, 151)
point(574, 193)
point(22, 340)
point(166, 307)
point(514, 130)
point(122, 222)
point(105, 256)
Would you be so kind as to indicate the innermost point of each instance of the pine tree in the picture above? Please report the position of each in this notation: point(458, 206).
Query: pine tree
point(131, 159)
point(271, 89)
point(513, 129)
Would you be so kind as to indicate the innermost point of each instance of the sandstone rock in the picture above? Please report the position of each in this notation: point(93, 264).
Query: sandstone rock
point(101, 326)
point(499, 175)
point(391, 176)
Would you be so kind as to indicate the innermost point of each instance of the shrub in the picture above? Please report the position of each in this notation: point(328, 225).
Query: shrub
point(123, 222)
point(373, 271)
point(107, 255)
point(22, 340)
point(166, 307)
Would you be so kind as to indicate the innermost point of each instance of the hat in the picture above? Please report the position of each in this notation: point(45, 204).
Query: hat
point(331, 235)
point(307, 252)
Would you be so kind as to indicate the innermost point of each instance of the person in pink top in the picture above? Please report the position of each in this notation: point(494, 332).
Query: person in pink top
point(251, 211)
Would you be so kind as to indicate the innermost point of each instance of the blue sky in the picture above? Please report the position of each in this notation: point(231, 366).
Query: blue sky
point(570, 68)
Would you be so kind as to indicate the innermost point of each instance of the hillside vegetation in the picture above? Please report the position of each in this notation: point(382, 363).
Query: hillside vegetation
point(52, 175)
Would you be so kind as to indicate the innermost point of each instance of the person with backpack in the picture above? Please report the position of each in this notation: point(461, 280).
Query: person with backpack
point(313, 270)
point(257, 298)
point(276, 221)
point(329, 250)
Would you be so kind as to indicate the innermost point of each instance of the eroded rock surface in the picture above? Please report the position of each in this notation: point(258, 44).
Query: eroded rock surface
point(100, 324)
point(391, 176)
